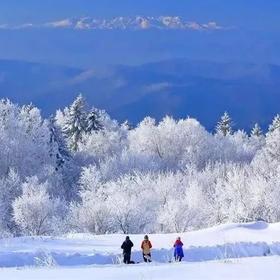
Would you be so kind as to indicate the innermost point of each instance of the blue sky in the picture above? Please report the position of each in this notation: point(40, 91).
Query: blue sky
point(254, 38)
point(252, 14)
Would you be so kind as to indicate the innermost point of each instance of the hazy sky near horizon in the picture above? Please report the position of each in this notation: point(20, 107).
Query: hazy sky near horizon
point(251, 14)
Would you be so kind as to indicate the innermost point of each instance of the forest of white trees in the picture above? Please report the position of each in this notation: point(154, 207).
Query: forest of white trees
point(81, 171)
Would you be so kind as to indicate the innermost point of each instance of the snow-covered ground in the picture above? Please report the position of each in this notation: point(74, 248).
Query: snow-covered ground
point(215, 253)
point(243, 269)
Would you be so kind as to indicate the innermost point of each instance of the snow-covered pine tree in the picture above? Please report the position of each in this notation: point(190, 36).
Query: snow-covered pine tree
point(58, 147)
point(93, 121)
point(256, 130)
point(275, 124)
point(75, 122)
point(224, 126)
point(128, 125)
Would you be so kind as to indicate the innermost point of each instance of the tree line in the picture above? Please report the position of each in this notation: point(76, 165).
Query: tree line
point(81, 171)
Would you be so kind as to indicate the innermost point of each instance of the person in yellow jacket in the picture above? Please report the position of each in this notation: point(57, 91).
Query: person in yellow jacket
point(146, 247)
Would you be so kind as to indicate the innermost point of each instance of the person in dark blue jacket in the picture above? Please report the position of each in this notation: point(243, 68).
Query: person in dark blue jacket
point(178, 250)
point(127, 246)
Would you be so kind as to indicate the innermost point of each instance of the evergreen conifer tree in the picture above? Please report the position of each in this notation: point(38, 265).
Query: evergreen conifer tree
point(224, 126)
point(256, 130)
point(93, 121)
point(75, 123)
point(58, 147)
point(275, 124)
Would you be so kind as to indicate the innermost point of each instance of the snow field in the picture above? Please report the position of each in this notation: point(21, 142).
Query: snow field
point(218, 243)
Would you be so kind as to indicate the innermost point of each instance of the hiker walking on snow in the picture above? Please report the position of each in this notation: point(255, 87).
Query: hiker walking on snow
point(178, 250)
point(126, 246)
point(146, 249)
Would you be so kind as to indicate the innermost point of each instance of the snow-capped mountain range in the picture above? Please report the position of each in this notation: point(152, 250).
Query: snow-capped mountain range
point(138, 22)
point(122, 23)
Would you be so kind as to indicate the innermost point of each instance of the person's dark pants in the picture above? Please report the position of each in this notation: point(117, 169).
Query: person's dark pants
point(147, 257)
point(126, 258)
point(178, 258)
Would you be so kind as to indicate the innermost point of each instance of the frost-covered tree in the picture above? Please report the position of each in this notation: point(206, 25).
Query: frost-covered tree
point(257, 139)
point(275, 124)
point(182, 206)
point(93, 121)
point(245, 147)
point(103, 144)
point(75, 122)
point(268, 158)
point(58, 146)
point(133, 203)
point(64, 175)
point(35, 212)
point(91, 214)
point(272, 147)
point(171, 144)
point(224, 126)
point(237, 206)
point(25, 140)
point(256, 131)
point(178, 216)
point(10, 189)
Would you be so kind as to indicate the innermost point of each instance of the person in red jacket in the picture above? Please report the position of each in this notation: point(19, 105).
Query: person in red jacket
point(178, 250)
point(146, 247)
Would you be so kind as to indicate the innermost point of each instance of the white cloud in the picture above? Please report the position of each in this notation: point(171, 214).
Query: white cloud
point(4, 26)
point(212, 25)
point(61, 23)
point(156, 87)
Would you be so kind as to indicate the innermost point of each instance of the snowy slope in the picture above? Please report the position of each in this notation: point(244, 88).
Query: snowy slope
point(222, 242)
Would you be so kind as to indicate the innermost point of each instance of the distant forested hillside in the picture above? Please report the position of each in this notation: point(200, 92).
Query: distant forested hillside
point(179, 88)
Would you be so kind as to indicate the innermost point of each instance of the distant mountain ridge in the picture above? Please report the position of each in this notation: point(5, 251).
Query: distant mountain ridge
point(121, 23)
point(179, 87)
point(137, 22)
